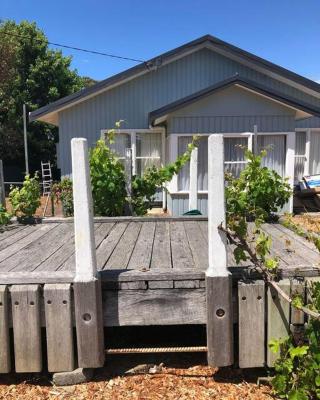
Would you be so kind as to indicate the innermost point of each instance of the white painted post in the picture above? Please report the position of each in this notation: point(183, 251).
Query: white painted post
point(218, 279)
point(85, 251)
point(255, 139)
point(216, 208)
point(289, 168)
point(307, 161)
point(193, 185)
point(86, 286)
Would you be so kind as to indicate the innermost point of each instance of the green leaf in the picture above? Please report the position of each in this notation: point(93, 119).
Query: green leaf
point(317, 380)
point(274, 345)
point(298, 351)
point(297, 394)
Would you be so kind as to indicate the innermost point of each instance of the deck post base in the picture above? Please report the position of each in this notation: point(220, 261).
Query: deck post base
point(79, 375)
point(89, 323)
point(219, 320)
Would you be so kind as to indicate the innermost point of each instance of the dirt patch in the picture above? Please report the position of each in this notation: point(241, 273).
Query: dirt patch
point(196, 383)
point(309, 222)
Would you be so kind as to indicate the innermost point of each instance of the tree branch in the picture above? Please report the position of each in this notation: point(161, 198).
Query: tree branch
point(268, 277)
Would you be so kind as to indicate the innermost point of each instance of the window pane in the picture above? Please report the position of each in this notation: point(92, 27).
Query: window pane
point(276, 148)
point(121, 142)
point(148, 144)
point(315, 153)
point(148, 151)
point(183, 177)
point(143, 164)
point(300, 143)
point(234, 149)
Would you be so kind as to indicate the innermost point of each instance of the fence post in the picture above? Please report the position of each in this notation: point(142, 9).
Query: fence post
point(193, 186)
point(128, 176)
point(218, 279)
point(2, 190)
point(87, 288)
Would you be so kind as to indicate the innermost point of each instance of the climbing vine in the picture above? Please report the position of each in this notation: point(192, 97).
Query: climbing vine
point(254, 197)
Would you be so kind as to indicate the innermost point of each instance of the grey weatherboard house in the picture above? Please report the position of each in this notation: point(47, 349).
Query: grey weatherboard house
point(205, 86)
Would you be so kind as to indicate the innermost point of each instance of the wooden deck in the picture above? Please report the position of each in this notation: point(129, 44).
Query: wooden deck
point(153, 247)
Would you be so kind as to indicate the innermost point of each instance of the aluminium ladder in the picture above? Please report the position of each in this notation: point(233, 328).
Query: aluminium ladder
point(46, 183)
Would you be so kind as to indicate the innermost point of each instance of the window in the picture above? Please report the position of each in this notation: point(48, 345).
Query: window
point(300, 156)
point(184, 174)
point(121, 142)
point(276, 152)
point(233, 153)
point(148, 149)
point(315, 153)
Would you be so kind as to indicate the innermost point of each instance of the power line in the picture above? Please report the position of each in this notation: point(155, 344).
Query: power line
point(76, 48)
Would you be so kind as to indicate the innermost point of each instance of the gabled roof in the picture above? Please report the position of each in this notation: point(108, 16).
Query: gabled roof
point(47, 113)
point(157, 116)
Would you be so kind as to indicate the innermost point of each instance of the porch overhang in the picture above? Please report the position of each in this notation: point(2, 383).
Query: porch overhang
point(302, 110)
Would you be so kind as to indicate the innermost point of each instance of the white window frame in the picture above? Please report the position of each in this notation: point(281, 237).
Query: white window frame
point(309, 132)
point(173, 154)
point(133, 136)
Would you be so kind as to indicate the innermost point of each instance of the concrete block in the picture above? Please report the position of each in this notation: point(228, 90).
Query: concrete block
point(79, 375)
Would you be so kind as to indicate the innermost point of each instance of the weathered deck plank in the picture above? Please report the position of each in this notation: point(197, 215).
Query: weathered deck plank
point(251, 299)
point(161, 255)
point(141, 255)
point(181, 252)
point(5, 358)
point(28, 258)
point(15, 234)
point(198, 244)
point(154, 307)
point(157, 243)
point(59, 327)
point(291, 252)
point(26, 328)
point(25, 241)
point(123, 250)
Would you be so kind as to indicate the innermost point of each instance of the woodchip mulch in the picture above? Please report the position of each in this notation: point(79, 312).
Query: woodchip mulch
point(196, 383)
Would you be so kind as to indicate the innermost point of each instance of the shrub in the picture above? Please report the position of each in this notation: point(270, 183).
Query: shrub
point(26, 200)
point(297, 370)
point(258, 192)
point(4, 216)
point(63, 193)
point(107, 180)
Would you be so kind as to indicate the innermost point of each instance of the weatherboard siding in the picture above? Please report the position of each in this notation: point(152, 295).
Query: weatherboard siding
point(231, 124)
point(133, 100)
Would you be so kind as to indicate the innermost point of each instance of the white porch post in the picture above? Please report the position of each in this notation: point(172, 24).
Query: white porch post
point(86, 286)
point(307, 161)
point(218, 279)
point(289, 167)
point(193, 186)
point(85, 250)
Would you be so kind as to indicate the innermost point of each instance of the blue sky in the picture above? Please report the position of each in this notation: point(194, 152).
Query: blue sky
point(286, 32)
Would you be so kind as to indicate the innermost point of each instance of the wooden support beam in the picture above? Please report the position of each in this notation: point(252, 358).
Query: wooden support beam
point(278, 314)
point(89, 323)
point(59, 327)
point(251, 299)
point(25, 300)
point(193, 185)
point(5, 359)
point(87, 288)
point(218, 279)
point(128, 175)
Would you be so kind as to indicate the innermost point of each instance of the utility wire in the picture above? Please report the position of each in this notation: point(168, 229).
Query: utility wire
point(75, 48)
